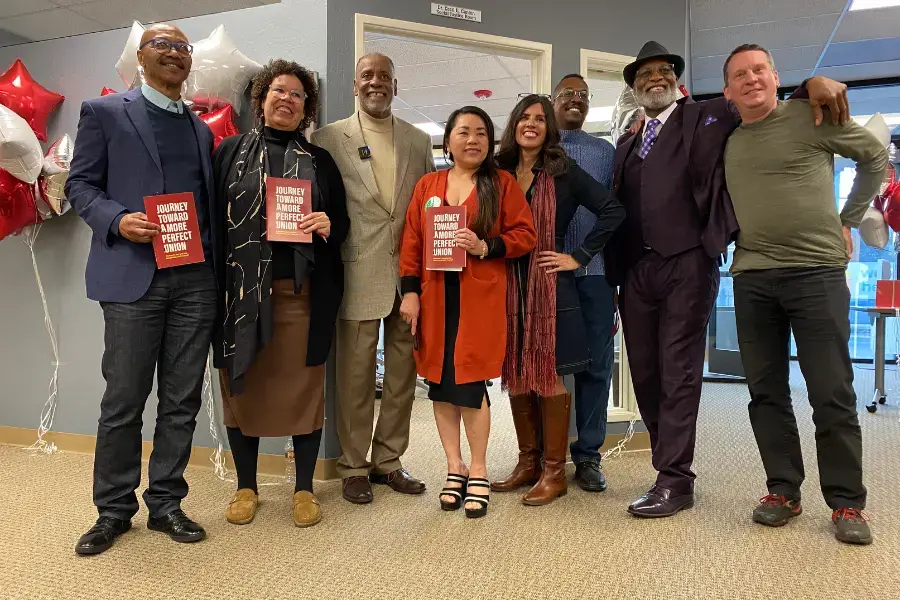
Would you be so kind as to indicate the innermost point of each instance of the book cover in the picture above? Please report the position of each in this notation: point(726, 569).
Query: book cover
point(441, 252)
point(179, 241)
point(287, 201)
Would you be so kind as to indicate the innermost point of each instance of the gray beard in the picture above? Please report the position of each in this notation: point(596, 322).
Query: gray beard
point(656, 100)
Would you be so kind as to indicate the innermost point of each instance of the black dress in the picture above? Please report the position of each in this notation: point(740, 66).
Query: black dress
point(465, 395)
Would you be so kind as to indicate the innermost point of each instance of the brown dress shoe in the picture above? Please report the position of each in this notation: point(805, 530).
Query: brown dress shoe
point(242, 507)
point(357, 490)
point(555, 423)
point(399, 481)
point(527, 420)
point(306, 509)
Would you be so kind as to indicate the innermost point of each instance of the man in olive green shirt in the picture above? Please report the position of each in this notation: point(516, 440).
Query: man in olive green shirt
point(789, 264)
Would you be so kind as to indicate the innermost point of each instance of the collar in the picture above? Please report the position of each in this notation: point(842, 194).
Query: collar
point(664, 115)
point(367, 121)
point(161, 100)
point(566, 135)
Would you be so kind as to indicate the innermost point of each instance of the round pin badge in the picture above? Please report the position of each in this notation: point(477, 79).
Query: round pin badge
point(433, 202)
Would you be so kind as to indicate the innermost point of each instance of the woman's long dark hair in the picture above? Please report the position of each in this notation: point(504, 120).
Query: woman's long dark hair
point(555, 160)
point(486, 180)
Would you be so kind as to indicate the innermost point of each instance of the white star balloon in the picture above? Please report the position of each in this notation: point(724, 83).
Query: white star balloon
point(127, 66)
point(20, 150)
point(220, 73)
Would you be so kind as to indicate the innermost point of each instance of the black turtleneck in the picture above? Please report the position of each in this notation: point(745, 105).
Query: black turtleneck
point(276, 145)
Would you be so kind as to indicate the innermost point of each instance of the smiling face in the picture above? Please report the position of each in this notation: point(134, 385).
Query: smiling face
point(283, 106)
point(167, 70)
point(531, 130)
point(375, 85)
point(468, 141)
point(570, 108)
point(752, 82)
point(655, 85)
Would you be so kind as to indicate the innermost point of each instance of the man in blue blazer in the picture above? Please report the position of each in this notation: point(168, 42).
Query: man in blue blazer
point(142, 143)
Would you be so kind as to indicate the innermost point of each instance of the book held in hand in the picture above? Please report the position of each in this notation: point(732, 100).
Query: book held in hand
point(441, 251)
point(287, 201)
point(178, 242)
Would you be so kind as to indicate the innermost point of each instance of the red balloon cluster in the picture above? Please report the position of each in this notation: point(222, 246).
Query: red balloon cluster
point(221, 122)
point(17, 207)
point(27, 98)
point(106, 91)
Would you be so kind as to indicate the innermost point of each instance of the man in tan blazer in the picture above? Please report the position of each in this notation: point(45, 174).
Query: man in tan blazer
point(381, 158)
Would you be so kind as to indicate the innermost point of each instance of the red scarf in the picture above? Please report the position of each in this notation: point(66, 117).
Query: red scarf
point(535, 369)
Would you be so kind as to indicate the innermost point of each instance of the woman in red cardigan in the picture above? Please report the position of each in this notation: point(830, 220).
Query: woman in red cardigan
point(459, 318)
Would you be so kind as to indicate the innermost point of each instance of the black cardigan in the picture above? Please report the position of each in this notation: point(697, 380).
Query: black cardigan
point(327, 278)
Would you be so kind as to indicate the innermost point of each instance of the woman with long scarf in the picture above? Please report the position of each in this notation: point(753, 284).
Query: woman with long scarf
point(278, 300)
point(546, 338)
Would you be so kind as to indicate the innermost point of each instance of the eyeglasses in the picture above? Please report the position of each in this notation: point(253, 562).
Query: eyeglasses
point(568, 93)
point(164, 46)
point(527, 94)
point(647, 72)
point(296, 96)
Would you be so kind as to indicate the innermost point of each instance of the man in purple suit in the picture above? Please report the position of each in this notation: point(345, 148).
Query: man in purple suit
point(665, 258)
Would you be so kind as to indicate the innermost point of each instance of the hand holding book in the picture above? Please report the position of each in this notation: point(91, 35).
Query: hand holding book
point(317, 222)
point(468, 241)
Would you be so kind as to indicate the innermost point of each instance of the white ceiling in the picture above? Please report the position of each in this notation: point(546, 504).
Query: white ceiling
point(37, 20)
point(864, 44)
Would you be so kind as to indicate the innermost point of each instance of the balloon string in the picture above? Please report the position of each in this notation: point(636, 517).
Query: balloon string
point(217, 458)
point(49, 411)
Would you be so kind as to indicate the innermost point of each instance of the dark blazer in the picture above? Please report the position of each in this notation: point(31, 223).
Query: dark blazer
point(114, 166)
point(326, 279)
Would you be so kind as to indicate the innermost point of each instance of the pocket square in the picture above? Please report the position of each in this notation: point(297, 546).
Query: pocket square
point(710, 119)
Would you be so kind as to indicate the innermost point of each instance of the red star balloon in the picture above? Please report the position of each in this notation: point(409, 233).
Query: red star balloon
point(17, 207)
point(221, 121)
point(27, 98)
point(106, 91)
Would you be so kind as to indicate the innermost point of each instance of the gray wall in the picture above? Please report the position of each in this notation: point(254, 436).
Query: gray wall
point(79, 67)
point(604, 25)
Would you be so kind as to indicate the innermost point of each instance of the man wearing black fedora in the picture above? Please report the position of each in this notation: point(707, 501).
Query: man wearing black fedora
point(666, 256)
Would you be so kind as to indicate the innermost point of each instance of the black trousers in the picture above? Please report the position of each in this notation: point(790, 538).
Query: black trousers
point(167, 331)
point(815, 304)
point(665, 305)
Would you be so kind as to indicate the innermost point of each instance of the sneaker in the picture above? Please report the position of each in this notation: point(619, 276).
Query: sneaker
point(851, 526)
point(589, 477)
point(776, 511)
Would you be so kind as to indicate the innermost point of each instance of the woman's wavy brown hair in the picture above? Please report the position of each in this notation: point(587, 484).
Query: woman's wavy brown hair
point(276, 68)
point(556, 162)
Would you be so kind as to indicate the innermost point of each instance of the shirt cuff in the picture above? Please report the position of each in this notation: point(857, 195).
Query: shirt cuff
point(582, 257)
point(496, 248)
point(114, 227)
point(411, 284)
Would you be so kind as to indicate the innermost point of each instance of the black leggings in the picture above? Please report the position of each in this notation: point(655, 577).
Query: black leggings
point(245, 450)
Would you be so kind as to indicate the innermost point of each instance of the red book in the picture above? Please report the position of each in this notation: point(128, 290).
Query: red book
point(287, 201)
point(441, 225)
point(179, 241)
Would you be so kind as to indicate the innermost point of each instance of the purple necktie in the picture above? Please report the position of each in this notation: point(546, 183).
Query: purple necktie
point(649, 138)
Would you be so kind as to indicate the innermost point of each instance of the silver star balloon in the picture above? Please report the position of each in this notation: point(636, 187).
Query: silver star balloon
point(127, 66)
point(54, 174)
point(625, 111)
point(220, 73)
point(20, 150)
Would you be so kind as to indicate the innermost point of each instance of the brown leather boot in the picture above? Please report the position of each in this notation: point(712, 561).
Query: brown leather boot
point(527, 419)
point(555, 428)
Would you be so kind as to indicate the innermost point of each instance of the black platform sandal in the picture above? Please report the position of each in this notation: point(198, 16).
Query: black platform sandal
point(482, 499)
point(456, 492)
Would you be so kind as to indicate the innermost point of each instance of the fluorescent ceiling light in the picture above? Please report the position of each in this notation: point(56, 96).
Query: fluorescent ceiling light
point(598, 114)
point(430, 128)
point(869, 4)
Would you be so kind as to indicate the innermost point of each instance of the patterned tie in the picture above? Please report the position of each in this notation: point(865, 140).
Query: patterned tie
point(649, 138)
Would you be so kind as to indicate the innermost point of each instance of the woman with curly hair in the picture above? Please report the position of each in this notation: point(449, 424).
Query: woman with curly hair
point(278, 301)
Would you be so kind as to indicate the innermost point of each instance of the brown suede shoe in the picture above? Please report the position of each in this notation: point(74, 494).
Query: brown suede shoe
point(357, 490)
point(306, 509)
point(399, 481)
point(242, 507)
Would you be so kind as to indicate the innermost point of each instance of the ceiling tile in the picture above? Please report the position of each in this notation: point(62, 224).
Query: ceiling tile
point(710, 14)
point(409, 52)
point(784, 34)
point(863, 51)
point(114, 13)
point(50, 24)
point(868, 25)
point(461, 92)
point(863, 71)
point(12, 8)
point(786, 59)
point(438, 73)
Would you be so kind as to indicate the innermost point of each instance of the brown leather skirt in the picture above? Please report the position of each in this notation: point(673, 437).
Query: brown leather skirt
point(282, 396)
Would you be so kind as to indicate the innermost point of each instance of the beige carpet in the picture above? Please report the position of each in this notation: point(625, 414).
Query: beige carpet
point(583, 546)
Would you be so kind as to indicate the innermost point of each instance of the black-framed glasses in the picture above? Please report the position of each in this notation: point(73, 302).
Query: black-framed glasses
point(526, 94)
point(646, 72)
point(568, 93)
point(164, 46)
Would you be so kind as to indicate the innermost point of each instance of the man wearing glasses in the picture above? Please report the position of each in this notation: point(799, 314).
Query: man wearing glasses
point(142, 143)
point(571, 102)
point(665, 258)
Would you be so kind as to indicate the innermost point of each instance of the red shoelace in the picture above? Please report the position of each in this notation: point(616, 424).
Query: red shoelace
point(850, 514)
point(774, 500)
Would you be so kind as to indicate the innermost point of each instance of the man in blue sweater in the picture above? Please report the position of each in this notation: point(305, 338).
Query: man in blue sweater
point(571, 101)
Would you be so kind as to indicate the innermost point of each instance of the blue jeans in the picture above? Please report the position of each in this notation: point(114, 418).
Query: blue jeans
point(597, 300)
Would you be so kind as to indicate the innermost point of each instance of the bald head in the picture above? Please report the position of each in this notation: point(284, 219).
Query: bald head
point(165, 57)
point(375, 85)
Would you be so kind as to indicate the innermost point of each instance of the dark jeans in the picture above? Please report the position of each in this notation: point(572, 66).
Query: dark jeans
point(815, 304)
point(168, 331)
point(597, 301)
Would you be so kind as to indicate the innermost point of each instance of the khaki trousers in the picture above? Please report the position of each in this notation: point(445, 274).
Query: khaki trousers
point(357, 345)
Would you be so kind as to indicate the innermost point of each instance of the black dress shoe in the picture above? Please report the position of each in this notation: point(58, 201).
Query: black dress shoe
point(101, 536)
point(660, 502)
point(178, 526)
point(589, 477)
